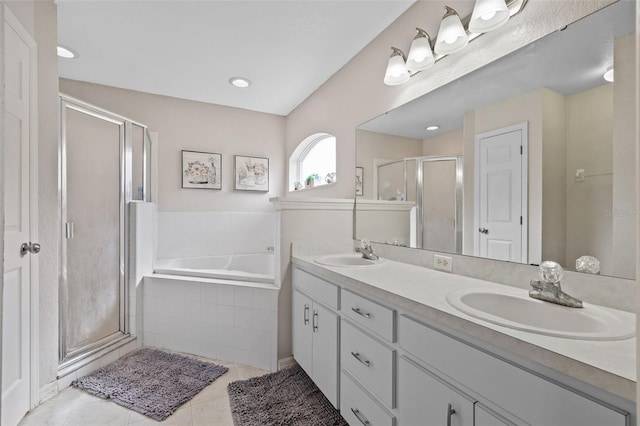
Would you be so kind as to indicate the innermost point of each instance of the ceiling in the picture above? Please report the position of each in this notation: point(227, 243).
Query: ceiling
point(190, 49)
point(567, 61)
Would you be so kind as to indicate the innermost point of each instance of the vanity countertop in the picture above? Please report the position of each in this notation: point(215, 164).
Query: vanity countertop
point(609, 365)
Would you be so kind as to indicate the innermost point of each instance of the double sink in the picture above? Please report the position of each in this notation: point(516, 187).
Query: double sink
point(513, 308)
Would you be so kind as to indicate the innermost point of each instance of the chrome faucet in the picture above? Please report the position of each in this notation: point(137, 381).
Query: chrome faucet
point(548, 288)
point(366, 250)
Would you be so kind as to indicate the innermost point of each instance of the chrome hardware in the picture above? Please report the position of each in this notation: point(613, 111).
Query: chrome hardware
point(450, 412)
point(356, 355)
point(362, 314)
point(68, 230)
point(271, 249)
point(315, 321)
point(306, 314)
point(29, 247)
point(483, 231)
point(548, 287)
point(356, 413)
point(366, 250)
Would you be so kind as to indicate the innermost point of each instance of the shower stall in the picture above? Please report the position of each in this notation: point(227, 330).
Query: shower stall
point(104, 161)
point(434, 184)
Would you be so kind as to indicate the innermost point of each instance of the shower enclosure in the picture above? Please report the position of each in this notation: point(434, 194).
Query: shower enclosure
point(435, 185)
point(103, 166)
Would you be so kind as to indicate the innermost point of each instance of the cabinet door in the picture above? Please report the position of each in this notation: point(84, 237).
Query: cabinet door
point(302, 331)
point(425, 400)
point(325, 352)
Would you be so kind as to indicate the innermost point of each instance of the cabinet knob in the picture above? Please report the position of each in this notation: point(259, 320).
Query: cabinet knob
point(306, 314)
point(359, 416)
point(315, 321)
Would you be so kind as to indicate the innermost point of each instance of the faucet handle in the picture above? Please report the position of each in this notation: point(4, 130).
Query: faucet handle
point(365, 244)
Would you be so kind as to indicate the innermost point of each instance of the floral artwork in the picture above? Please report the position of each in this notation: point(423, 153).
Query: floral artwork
point(201, 170)
point(251, 173)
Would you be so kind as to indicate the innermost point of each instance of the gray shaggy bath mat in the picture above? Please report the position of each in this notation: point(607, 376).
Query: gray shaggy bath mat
point(150, 381)
point(286, 398)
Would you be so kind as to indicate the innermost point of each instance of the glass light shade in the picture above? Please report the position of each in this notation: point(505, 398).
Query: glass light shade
point(608, 76)
point(488, 15)
point(420, 55)
point(452, 36)
point(397, 72)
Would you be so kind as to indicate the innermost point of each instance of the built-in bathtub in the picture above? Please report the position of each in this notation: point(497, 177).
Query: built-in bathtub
point(220, 307)
point(256, 267)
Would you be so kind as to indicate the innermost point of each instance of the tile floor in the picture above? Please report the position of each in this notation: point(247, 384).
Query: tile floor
point(73, 407)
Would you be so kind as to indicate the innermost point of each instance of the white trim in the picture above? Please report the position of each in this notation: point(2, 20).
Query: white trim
point(524, 128)
point(384, 205)
point(34, 331)
point(286, 363)
point(281, 203)
point(48, 391)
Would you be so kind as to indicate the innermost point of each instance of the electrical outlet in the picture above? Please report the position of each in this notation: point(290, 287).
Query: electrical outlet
point(444, 263)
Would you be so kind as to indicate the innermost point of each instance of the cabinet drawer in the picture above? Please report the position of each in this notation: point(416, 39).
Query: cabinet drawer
point(423, 396)
point(317, 288)
point(358, 408)
point(517, 391)
point(370, 315)
point(369, 362)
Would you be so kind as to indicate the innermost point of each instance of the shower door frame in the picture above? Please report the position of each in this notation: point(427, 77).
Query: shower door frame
point(69, 361)
point(457, 221)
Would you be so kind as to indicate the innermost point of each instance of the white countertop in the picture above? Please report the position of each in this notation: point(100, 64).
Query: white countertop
point(609, 365)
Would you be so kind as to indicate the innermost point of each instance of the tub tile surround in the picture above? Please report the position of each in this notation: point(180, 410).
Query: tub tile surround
point(609, 366)
point(212, 318)
point(195, 234)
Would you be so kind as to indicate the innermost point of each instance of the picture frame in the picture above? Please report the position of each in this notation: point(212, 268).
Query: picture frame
point(359, 181)
point(251, 173)
point(201, 170)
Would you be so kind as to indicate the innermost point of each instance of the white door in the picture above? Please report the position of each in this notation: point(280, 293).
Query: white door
point(501, 194)
point(325, 352)
point(16, 297)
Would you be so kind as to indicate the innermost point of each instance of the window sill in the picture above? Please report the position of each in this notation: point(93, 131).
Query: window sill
point(326, 185)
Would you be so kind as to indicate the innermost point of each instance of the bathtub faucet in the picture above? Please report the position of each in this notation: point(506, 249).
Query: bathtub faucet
point(366, 250)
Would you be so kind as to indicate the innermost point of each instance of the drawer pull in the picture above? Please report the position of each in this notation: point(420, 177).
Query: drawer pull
point(315, 321)
point(450, 412)
point(362, 314)
point(356, 413)
point(306, 314)
point(356, 355)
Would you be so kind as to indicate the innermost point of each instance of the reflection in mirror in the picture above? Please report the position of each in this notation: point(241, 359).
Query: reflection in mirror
point(533, 158)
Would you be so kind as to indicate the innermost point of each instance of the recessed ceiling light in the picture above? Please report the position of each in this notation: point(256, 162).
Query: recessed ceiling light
point(240, 82)
point(66, 53)
point(432, 127)
point(609, 75)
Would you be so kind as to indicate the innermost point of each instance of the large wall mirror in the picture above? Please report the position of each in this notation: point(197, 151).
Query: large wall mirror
point(530, 158)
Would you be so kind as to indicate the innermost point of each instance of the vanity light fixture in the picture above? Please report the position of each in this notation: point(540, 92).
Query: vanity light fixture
point(488, 15)
point(608, 75)
point(66, 53)
point(420, 55)
point(240, 82)
point(397, 72)
point(432, 127)
point(453, 35)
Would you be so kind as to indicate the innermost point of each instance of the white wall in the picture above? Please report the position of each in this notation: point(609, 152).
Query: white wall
point(197, 126)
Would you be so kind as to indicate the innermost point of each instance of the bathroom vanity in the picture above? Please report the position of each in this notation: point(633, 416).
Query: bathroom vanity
point(386, 348)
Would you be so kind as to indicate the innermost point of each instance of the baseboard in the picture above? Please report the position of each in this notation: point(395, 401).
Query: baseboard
point(48, 391)
point(286, 363)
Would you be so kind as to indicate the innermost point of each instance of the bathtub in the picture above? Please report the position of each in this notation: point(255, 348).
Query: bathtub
point(258, 267)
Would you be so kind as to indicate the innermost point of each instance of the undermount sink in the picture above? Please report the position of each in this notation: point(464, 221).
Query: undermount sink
point(352, 260)
point(520, 312)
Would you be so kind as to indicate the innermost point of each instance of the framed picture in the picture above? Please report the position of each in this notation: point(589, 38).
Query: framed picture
point(251, 173)
point(359, 180)
point(201, 170)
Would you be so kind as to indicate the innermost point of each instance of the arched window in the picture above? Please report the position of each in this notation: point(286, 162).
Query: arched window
point(315, 157)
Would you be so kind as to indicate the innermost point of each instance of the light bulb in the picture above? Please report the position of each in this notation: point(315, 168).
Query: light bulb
point(488, 15)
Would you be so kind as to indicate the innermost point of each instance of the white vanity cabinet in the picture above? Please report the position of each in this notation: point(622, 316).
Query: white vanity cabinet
point(316, 331)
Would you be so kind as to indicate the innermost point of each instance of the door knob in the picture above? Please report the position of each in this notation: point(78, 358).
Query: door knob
point(29, 248)
point(483, 230)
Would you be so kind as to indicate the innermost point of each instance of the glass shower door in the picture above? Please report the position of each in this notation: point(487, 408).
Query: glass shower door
point(92, 310)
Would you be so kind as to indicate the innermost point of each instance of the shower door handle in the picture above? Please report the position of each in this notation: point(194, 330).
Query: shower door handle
point(68, 228)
